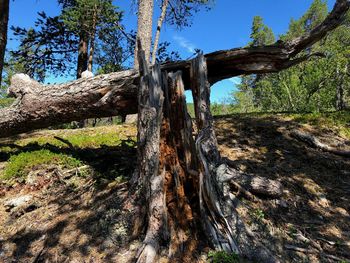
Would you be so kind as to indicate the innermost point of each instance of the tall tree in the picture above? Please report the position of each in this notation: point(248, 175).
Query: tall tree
point(144, 29)
point(261, 33)
point(86, 18)
point(174, 12)
point(50, 46)
point(4, 17)
point(315, 85)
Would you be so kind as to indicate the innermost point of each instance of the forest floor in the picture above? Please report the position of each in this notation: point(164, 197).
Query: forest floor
point(63, 193)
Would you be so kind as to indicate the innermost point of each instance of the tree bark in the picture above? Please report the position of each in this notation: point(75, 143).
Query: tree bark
point(38, 106)
point(4, 17)
point(82, 53)
point(144, 29)
point(150, 101)
point(159, 27)
point(220, 65)
point(340, 104)
point(92, 39)
point(191, 184)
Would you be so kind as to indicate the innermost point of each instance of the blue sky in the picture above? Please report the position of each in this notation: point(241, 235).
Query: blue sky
point(226, 25)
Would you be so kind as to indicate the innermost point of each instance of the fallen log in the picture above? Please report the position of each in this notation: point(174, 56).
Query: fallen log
point(39, 106)
point(316, 143)
point(255, 184)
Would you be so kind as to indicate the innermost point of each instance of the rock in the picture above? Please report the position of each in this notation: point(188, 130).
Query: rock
point(18, 201)
point(130, 119)
point(87, 74)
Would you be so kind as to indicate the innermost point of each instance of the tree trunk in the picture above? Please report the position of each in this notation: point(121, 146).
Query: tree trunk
point(188, 193)
point(159, 27)
point(144, 29)
point(82, 53)
point(92, 39)
point(340, 105)
point(38, 106)
point(4, 17)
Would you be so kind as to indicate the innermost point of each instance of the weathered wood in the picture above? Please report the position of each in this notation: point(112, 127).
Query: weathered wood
point(150, 100)
point(82, 99)
point(221, 221)
point(314, 142)
point(4, 18)
point(255, 184)
point(38, 106)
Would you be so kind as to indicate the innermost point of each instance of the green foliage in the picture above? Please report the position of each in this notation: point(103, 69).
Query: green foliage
point(47, 48)
point(51, 46)
point(5, 102)
point(67, 148)
point(223, 257)
point(261, 34)
point(20, 165)
point(217, 109)
point(258, 214)
point(318, 85)
point(180, 12)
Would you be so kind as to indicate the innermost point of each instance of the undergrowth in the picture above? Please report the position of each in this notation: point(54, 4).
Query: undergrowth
point(64, 148)
point(20, 165)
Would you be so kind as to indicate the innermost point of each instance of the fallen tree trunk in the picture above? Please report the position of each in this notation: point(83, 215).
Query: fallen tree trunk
point(39, 106)
point(316, 143)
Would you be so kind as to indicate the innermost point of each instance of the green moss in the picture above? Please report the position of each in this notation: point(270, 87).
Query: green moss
point(21, 164)
point(223, 257)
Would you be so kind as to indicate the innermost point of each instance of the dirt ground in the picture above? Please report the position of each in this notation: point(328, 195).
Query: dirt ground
point(85, 217)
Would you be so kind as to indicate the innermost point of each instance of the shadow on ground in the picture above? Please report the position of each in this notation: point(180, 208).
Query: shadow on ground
point(314, 210)
point(83, 219)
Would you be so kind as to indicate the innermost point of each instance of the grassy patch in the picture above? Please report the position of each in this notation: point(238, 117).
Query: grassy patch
point(339, 120)
point(69, 149)
point(5, 102)
point(83, 138)
point(20, 165)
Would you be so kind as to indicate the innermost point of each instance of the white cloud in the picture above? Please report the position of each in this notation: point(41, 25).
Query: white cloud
point(183, 42)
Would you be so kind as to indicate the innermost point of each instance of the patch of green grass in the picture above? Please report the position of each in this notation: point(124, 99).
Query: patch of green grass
point(20, 165)
point(258, 214)
point(339, 120)
point(79, 139)
point(5, 102)
point(222, 257)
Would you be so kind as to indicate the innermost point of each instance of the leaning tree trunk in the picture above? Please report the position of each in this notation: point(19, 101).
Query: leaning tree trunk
point(186, 183)
point(159, 27)
point(4, 18)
